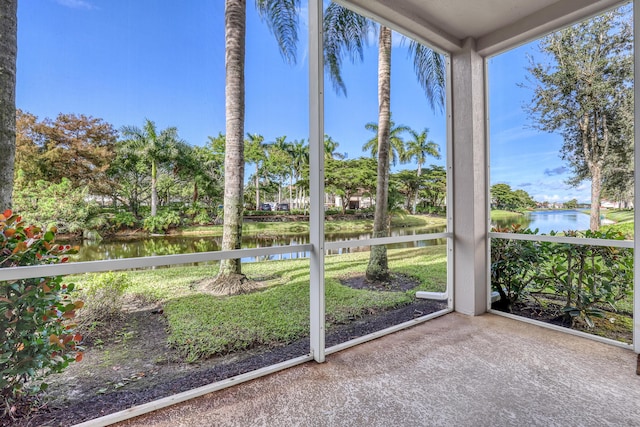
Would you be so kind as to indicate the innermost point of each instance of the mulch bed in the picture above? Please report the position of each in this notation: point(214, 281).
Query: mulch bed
point(172, 378)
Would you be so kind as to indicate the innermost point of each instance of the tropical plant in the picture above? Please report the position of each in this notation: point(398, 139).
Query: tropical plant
point(418, 148)
point(282, 19)
point(345, 34)
point(256, 153)
point(154, 148)
point(36, 314)
point(397, 148)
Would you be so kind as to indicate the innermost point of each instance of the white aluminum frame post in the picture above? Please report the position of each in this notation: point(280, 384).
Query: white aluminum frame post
point(316, 178)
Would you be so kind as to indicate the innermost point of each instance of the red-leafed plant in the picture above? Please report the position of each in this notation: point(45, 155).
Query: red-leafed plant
point(37, 334)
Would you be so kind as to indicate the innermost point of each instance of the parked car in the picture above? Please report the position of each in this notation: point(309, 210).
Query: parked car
point(264, 207)
point(283, 207)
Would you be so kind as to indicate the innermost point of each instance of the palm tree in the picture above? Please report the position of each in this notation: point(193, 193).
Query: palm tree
point(330, 147)
point(282, 18)
point(397, 150)
point(345, 34)
point(8, 53)
point(419, 148)
point(299, 152)
point(256, 153)
point(154, 148)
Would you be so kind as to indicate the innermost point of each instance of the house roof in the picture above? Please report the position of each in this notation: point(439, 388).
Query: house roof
point(496, 25)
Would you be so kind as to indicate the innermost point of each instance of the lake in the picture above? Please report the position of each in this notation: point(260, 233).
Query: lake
point(170, 245)
point(546, 221)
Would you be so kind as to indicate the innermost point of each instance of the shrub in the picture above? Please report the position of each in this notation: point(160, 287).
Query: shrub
point(162, 221)
point(123, 219)
point(35, 314)
point(103, 301)
point(515, 265)
point(589, 276)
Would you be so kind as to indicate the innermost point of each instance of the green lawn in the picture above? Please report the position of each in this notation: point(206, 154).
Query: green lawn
point(623, 221)
point(203, 325)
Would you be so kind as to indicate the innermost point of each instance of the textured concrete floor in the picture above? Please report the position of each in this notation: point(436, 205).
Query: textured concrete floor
point(451, 371)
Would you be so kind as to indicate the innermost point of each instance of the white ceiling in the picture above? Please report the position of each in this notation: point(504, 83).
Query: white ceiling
point(495, 25)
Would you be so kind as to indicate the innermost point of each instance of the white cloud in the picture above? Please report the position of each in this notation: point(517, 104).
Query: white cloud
point(77, 4)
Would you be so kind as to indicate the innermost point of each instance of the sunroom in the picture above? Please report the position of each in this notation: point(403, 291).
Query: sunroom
point(468, 34)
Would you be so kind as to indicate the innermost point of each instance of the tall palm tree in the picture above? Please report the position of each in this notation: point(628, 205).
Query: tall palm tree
point(419, 147)
point(330, 147)
point(256, 153)
point(155, 148)
point(299, 152)
point(396, 142)
point(8, 53)
point(345, 34)
point(282, 18)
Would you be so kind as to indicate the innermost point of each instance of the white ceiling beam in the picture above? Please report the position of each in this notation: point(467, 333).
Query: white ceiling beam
point(400, 20)
point(546, 20)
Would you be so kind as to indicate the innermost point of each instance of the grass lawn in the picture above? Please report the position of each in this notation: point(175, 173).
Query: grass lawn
point(499, 215)
point(623, 221)
point(203, 325)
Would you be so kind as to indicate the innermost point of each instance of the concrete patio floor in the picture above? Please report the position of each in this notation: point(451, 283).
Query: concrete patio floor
point(451, 371)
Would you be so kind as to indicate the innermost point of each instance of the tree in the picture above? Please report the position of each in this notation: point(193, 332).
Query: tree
point(330, 147)
point(409, 185)
point(502, 197)
point(347, 178)
point(585, 94)
point(155, 148)
point(282, 19)
point(571, 204)
point(396, 142)
point(8, 54)
point(345, 34)
point(255, 152)
point(299, 152)
point(435, 186)
point(419, 147)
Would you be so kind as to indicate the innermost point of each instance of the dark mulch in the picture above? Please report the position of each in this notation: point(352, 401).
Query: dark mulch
point(397, 282)
point(172, 378)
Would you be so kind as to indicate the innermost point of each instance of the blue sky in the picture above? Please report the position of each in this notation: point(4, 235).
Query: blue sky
point(124, 61)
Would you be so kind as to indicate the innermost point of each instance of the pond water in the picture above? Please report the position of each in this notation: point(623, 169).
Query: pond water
point(169, 245)
point(546, 221)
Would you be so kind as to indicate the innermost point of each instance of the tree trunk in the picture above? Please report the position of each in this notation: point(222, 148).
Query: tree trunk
point(8, 53)
point(378, 268)
point(235, 23)
point(596, 189)
point(257, 187)
point(154, 188)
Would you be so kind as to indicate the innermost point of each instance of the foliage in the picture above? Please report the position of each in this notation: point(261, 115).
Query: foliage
point(515, 265)
point(122, 219)
point(348, 177)
point(164, 220)
point(103, 300)
point(55, 204)
point(35, 314)
point(571, 204)
point(74, 147)
point(503, 198)
point(585, 93)
point(587, 276)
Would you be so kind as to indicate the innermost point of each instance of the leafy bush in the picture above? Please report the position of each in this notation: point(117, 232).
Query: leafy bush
point(162, 222)
point(103, 301)
point(586, 277)
point(58, 205)
point(35, 314)
point(515, 265)
point(123, 219)
point(589, 276)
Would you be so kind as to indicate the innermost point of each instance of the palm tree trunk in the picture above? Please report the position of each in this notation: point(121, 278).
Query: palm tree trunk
point(8, 53)
point(154, 188)
point(378, 268)
point(257, 187)
point(235, 34)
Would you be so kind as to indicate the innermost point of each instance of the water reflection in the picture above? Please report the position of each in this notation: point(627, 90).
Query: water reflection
point(169, 245)
point(547, 221)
